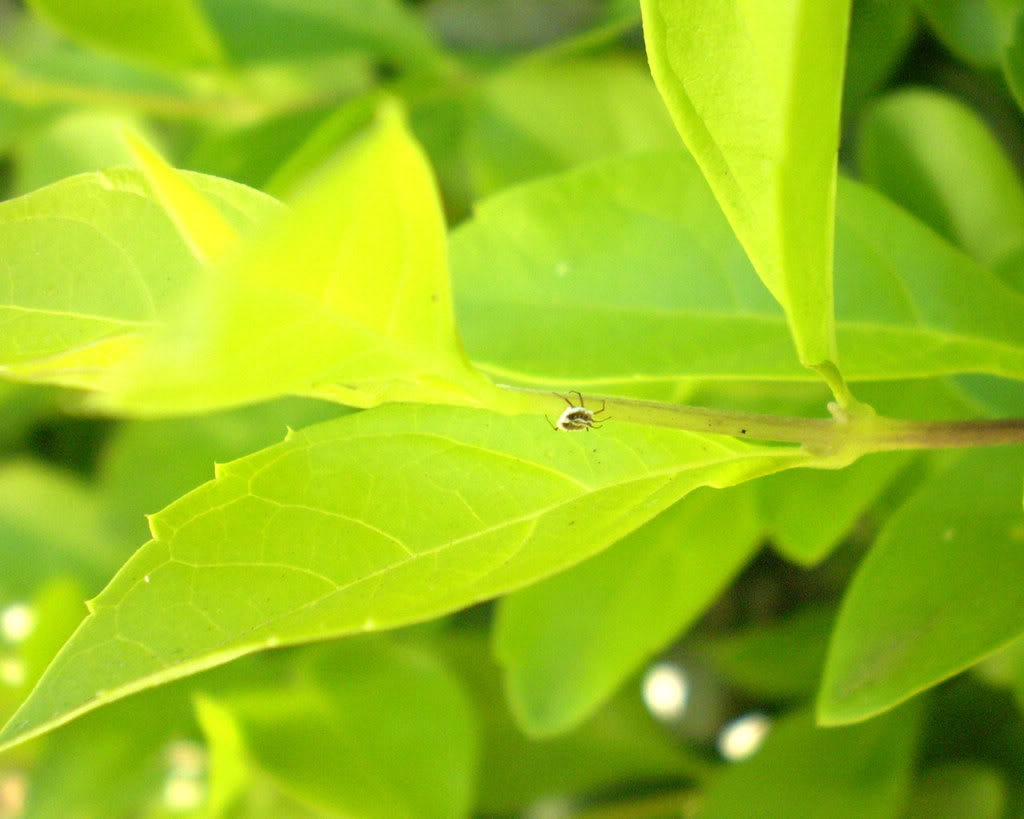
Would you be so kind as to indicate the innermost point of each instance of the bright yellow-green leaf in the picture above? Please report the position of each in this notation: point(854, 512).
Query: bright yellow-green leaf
point(371, 521)
point(228, 759)
point(208, 234)
point(92, 261)
point(165, 32)
point(348, 298)
point(940, 590)
point(754, 88)
point(76, 143)
point(566, 643)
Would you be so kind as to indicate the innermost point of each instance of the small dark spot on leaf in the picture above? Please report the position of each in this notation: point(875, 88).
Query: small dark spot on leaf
point(433, 296)
point(743, 432)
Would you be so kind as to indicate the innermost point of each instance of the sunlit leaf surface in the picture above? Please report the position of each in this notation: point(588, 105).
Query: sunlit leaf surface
point(754, 89)
point(625, 272)
point(366, 522)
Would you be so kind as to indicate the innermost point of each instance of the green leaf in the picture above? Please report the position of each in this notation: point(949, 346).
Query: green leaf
point(780, 660)
point(541, 116)
point(755, 89)
point(54, 610)
point(880, 34)
point(229, 763)
point(390, 716)
point(72, 144)
point(268, 30)
point(116, 761)
point(958, 790)
point(165, 32)
point(973, 195)
point(807, 514)
point(968, 28)
point(357, 271)
point(624, 272)
point(148, 464)
point(38, 544)
point(857, 772)
point(68, 323)
point(371, 521)
point(1013, 55)
point(939, 591)
point(209, 236)
point(22, 406)
point(567, 643)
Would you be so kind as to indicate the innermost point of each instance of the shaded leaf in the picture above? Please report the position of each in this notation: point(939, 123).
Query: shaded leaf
point(939, 591)
point(755, 90)
point(968, 28)
point(369, 729)
point(804, 770)
point(958, 790)
point(537, 117)
point(809, 514)
point(568, 642)
point(782, 660)
point(880, 34)
point(39, 544)
point(264, 30)
point(973, 195)
point(1013, 55)
point(168, 32)
point(620, 743)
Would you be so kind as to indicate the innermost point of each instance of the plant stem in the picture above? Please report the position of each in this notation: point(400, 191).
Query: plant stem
point(853, 431)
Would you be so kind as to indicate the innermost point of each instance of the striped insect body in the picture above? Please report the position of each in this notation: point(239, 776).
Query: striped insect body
point(576, 416)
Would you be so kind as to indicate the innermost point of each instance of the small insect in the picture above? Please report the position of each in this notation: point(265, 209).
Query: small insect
point(577, 417)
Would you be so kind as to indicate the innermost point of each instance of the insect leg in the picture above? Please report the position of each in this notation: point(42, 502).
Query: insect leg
point(578, 395)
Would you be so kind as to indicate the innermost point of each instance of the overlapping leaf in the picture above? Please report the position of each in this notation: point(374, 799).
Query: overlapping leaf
point(347, 297)
point(625, 272)
point(91, 262)
point(370, 521)
point(754, 89)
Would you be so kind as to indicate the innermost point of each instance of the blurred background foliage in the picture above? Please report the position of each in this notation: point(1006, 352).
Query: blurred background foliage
point(417, 722)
